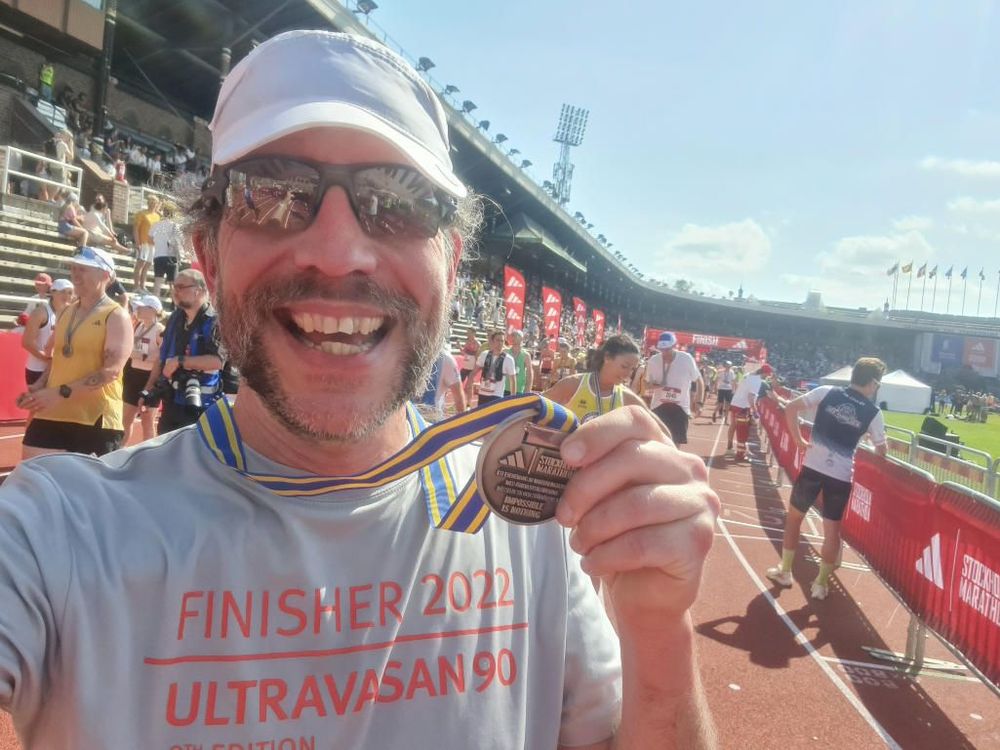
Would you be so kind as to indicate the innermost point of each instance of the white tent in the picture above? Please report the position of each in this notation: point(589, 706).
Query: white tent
point(840, 377)
point(902, 392)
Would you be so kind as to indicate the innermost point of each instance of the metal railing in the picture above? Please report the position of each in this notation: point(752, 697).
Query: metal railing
point(137, 195)
point(71, 176)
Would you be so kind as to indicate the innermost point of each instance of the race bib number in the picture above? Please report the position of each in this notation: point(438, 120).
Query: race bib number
point(673, 395)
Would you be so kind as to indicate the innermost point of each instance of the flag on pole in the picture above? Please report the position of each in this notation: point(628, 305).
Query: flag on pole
point(907, 268)
point(933, 273)
point(922, 270)
point(965, 272)
point(982, 275)
point(948, 273)
point(892, 270)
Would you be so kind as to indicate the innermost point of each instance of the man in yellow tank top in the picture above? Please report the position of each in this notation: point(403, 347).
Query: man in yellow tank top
point(76, 405)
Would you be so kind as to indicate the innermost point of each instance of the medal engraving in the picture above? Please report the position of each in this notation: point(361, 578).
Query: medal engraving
point(520, 472)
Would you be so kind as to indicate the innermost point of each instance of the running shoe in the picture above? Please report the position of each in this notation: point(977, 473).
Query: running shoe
point(779, 576)
point(818, 590)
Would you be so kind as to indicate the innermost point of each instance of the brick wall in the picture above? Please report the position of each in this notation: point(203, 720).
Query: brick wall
point(122, 106)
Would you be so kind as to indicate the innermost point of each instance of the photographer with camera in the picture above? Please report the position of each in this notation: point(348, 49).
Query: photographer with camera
point(187, 376)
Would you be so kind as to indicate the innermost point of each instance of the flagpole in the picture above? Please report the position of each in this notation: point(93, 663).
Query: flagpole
point(895, 282)
point(965, 288)
point(909, 285)
point(923, 291)
point(947, 305)
point(996, 302)
point(934, 293)
point(980, 294)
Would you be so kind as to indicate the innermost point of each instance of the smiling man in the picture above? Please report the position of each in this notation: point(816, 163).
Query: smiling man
point(246, 581)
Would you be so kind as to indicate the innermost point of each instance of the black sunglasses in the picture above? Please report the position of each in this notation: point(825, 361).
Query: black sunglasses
point(284, 195)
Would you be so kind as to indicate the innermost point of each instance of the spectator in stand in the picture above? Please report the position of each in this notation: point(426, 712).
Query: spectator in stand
point(168, 247)
point(76, 405)
point(671, 373)
point(39, 327)
point(46, 80)
point(843, 417)
point(147, 338)
point(144, 249)
point(546, 361)
point(43, 286)
point(605, 387)
point(41, 190)
point(521, 382)
point(65, 154)
point(496, 366)
point(71, 220)
point(99, 229)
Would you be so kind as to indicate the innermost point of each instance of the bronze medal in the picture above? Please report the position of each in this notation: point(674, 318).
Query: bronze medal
point(520, 473)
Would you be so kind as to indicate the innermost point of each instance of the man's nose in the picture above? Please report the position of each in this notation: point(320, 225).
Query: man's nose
point(335, 244)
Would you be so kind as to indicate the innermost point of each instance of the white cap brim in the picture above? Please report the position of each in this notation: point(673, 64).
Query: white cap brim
point(271, 123)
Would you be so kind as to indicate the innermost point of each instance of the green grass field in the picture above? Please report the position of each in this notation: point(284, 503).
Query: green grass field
point(985, 437)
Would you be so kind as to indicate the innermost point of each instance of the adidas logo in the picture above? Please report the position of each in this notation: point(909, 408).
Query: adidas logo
point(929, 565)
point(514, 298)
point(552, 299)
point(514, 283)
point(515, 459)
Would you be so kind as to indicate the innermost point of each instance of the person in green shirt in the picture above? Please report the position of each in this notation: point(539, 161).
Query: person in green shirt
point(521, 382)
point(46, 80)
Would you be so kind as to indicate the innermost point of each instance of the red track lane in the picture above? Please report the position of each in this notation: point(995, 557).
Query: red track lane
point(783, 671)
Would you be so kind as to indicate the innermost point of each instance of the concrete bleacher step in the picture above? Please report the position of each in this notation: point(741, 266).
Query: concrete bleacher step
point(123, 264)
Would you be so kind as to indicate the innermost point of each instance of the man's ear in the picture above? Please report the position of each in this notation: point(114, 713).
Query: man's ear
point(207, 260)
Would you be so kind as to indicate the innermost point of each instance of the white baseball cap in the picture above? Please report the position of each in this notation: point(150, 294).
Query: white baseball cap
point(667, 340)
point(61, 285)
point(308, 79)
point(94, 257)
point(148, 300)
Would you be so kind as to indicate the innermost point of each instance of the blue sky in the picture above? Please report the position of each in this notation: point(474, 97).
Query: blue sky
point(787, 146)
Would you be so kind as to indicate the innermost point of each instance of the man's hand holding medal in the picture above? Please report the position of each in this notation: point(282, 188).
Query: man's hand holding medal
point(642, 515)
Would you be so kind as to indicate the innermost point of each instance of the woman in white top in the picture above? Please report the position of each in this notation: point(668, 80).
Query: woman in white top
point(97, 222)
point(38, 330)
point(146, 338)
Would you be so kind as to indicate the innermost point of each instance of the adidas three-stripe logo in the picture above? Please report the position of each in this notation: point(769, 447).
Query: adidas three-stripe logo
point(929, 565)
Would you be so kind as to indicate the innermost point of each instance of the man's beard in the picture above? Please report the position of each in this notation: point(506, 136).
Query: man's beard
point(243, 318)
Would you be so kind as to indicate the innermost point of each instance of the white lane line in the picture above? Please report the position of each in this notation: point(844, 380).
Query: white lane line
point(13, 437)
point(846, 691)
point(896, 670)
point(765, 528)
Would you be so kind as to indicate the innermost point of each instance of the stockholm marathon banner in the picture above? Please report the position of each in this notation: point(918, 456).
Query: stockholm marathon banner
point(939, 351)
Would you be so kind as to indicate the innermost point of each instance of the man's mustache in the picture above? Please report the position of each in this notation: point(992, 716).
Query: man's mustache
point(360, 289)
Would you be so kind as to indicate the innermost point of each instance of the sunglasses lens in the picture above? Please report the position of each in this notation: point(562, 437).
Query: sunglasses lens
point(272, 194)
point(397, 202)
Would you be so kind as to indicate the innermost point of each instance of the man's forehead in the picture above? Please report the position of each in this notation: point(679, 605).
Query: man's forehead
point(334, 146)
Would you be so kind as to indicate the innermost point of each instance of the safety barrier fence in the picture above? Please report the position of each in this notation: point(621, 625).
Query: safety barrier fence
point(63, 176)
point(935, 544)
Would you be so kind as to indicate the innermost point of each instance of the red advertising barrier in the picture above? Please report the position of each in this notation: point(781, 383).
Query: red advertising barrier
point(967, 531)
point(12, 380)
point(936, 545)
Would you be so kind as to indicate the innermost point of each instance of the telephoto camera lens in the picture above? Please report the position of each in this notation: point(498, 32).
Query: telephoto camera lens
point(192, 393)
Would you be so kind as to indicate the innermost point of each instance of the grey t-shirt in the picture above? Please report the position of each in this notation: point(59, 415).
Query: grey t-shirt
point(158, 599)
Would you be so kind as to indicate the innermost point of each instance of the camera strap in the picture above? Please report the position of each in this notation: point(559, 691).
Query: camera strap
point(182, 332)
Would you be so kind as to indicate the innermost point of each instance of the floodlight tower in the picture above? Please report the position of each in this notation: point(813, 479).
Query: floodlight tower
point(572, 125)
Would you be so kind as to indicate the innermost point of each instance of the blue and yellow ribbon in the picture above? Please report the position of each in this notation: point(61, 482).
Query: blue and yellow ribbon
point(449, 506)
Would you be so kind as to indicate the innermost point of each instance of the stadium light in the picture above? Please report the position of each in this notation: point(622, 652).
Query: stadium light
point(468, 106)
point(602, 239)
point(610, 245)
point(484, 125)
point(499, 138)
point(578, 216)
point(451, 89)
point(589, 227)
point(525, 163)
point(424, 64)
point(569, 132)
point(513, 152)
point(365, 7)
point(547, 185)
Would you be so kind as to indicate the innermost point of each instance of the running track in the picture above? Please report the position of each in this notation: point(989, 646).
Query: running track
point(781, 670)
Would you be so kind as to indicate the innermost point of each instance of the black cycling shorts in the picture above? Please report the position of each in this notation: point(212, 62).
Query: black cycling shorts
point(810, 483)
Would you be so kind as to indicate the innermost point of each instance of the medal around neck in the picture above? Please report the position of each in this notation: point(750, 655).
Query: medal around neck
point(520, 472)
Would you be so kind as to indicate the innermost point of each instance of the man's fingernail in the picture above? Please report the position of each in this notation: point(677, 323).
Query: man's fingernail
point(572, 451)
